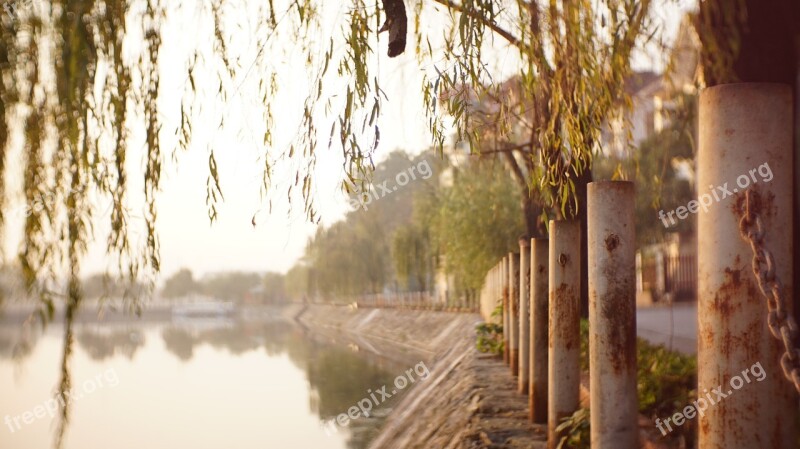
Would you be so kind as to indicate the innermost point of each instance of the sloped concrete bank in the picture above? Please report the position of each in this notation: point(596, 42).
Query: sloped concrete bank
point(468, 401)
point(403, 336)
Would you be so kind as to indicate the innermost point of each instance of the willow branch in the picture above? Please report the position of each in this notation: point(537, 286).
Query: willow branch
point(509, 149)
point(516, 171)
point(513, 40)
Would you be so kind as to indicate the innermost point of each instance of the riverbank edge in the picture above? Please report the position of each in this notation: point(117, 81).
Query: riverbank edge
point(469, 399)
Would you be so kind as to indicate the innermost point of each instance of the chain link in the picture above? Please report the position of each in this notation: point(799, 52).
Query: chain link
point(781, 323)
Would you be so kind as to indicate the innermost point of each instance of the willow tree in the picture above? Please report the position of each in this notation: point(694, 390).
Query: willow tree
point(545, 120)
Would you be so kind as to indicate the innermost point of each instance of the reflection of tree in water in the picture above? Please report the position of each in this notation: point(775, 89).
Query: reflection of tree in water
point(338, 377)
point(179, 342)
point(14, 345)
point(276, 338)
point(236, 340)
point(103, 345)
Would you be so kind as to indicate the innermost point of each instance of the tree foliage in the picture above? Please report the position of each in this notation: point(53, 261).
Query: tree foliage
point(659, 167)
point(457, 223)
point(74, 86)
point(355, 256)
point(546, 119)
point(180, 284)
point(477, 223)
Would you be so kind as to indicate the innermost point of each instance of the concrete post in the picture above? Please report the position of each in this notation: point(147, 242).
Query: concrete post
point(506, 311)
point(564, 337)
point(612, 315)
point(745, 143)
point(497, 294)
point(639, 283)
point(485, 299)
point(524, 314)
point(660, 290)
point(513, 319)
point(497, 291)
point(537, 400)
point(494, 298)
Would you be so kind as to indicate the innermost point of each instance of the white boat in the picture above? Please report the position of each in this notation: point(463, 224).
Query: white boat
point(204, 309)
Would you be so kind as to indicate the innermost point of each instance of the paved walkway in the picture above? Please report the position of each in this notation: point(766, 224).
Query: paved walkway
point(501, 416)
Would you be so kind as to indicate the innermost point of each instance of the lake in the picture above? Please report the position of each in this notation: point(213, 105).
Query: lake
point(186, 383)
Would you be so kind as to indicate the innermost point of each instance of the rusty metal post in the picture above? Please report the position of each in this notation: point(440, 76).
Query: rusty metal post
point(745, 144)
point(497, 292)
point(495, 298)
point(564, 338)
point(612, 315)
point(513, 319)
point(506, 312)
point(487, 301)
point(537, 400)
point(524, 313)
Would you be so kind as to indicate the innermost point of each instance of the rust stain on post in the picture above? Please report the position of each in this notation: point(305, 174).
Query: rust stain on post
point(506, 327)
point(732, 326)
point(612, 315)
point(539, 346)
point(513, 319)
point(564, 325)
point(612, 242)
point(524, 314)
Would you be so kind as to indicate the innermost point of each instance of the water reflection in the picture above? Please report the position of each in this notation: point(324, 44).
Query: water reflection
point(104, 345)
point(266, 380)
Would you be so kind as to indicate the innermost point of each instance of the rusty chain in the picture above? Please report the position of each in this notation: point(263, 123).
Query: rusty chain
point(781, 323)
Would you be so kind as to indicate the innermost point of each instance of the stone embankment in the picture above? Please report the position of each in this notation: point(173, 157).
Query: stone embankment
point(469, 400)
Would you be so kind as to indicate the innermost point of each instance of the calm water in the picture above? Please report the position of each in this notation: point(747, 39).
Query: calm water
point(195, 384)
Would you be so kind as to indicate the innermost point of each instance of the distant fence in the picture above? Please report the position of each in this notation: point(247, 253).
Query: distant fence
point(422, 300)
point(681, 276)
point(668, 277)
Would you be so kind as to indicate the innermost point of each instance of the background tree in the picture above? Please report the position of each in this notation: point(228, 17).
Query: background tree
point(230, 286)
point(662, 167)
point(180, 284)
point(413, 257)
point(274, 287)
point(354, 256)
point(477, 223)
point(298, 282)
point(105, 287)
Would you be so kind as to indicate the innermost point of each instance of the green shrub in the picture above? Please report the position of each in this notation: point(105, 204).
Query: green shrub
point(666, 379)
point(575, 430)
point(490, 335)
point(490, 338)
point(666, 382)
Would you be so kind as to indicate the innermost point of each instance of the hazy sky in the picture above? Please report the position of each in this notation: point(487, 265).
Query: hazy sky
point(277, 240)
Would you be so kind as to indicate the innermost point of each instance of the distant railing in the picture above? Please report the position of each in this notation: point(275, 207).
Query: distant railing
point(681, 276)
point(669, 277)
point(416, 301)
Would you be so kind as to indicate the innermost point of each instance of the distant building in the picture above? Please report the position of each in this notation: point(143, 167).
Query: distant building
point(652, 96)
